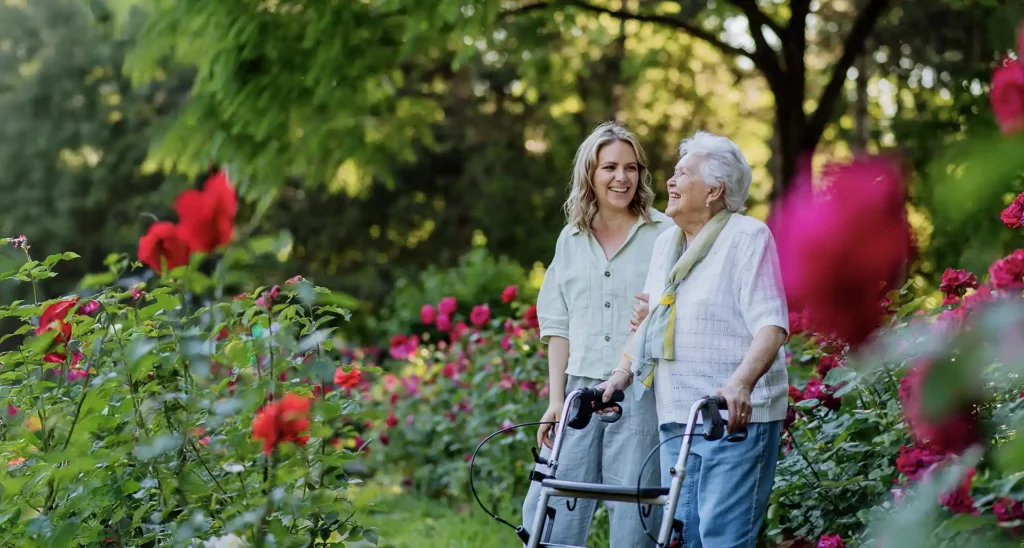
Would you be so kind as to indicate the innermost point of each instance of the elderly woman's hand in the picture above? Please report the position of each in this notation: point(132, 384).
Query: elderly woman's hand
point(639, 312)
point(737, 398)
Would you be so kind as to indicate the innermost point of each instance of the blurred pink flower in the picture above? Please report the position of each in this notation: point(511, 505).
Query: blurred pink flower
point(447, 306)
point(428, 315)
point(509, 294)
point(836, 248)
point(480, 315)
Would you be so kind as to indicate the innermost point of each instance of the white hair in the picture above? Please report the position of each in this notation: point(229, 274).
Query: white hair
point(722, 162)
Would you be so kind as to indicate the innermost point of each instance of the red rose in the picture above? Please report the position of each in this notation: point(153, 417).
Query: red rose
point(915, 461)
point(391, 421)
point(447, 306)
point(795, 394)
point(53, 317)
point(1008, 272)
point(428, 315)
point(1013, 215)
point(282, 421)
point(837, 248)
point(479, 315)
point(959, 500)
point(957, 282)
point(827, 363)
point(163, 244)
point(509, 294)
point(1007, 509)
point(207, 216)
point(59, 357)
point(817, 390)
point(530, 317)
point(1007, 96)
point(349, 380)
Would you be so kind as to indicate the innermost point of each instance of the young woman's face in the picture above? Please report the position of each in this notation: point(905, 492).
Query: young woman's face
point(616, 176)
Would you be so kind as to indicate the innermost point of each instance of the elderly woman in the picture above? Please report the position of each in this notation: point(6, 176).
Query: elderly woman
point(716, 326)
point(600, 264)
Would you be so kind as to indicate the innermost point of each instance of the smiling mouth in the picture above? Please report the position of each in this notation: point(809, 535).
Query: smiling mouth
point(674, 196)
point(619, 190)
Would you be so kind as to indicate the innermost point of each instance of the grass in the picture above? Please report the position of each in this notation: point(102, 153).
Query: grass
point(406, 520)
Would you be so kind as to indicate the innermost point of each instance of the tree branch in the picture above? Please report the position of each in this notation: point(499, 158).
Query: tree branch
point(672, 22)
point(852, 47)
point(756, 17)
point(765, 57)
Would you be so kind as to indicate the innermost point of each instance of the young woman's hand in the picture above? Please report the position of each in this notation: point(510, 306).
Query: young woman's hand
point(544, 432)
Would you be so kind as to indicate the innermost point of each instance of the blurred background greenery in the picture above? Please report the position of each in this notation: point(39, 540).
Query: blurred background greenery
point(398, 145)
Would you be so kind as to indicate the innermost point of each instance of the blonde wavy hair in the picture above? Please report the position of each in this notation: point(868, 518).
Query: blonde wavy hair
point(581, 205)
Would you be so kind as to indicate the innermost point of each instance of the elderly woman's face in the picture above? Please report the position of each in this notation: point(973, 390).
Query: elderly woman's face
point(687, 192)
point(616, 175)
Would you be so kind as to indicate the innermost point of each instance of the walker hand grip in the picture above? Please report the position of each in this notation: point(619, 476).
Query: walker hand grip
point(596, 396)
point(714, 424)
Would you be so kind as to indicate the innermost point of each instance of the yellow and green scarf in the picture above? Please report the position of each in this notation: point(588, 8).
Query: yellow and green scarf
point(655, 336)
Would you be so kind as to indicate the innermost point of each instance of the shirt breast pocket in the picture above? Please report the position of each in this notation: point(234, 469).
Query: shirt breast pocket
point(576, 288)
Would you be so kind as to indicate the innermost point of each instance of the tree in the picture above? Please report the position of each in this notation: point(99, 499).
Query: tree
point(779, 54)
point(75, 134)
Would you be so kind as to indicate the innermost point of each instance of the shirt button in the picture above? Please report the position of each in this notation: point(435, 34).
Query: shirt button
point(607, 304)
point(607, 274)
point(607, 338)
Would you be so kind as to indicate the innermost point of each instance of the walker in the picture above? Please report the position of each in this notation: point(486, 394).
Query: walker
point(577, 411)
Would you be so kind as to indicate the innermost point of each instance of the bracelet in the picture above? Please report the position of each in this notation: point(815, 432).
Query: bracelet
point(629, 374)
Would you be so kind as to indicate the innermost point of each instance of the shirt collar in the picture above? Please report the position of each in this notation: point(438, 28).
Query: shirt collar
point(656, 219)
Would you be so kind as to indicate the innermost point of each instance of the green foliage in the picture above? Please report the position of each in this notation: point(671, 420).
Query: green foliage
point(75, 135)
point(135, 426)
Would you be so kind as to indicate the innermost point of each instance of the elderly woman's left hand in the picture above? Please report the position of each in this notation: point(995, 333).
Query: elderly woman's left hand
point(737, 398)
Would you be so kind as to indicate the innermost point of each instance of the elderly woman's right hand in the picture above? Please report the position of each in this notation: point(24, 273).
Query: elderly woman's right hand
point(639, 312)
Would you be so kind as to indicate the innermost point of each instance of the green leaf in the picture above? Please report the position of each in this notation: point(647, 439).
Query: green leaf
point(968, 522)
point(64, 534)
point(162, 444)
point(90, 281)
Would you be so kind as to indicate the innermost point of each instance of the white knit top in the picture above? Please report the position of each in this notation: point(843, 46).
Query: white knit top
point(727, 297)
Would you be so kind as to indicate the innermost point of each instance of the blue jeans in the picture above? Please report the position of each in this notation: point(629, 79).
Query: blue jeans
point(727, 484)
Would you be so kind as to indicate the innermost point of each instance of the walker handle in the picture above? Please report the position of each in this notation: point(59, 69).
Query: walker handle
point(596, 396)
point(718, 423)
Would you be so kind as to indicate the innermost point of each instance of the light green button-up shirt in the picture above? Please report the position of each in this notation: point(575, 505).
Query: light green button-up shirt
point(586, 297)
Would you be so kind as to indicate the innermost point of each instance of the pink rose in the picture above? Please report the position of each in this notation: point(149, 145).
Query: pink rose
point(428, 315)
point(509, 294)
point(480, 315)
point(1013, 215)
point(1008, 272)
point(447, 306)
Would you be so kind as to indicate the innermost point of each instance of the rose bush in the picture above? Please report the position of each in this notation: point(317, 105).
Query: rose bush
point(164, 413)
point(452, 383)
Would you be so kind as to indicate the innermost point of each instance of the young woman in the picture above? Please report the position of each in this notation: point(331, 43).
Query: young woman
point(600, 266)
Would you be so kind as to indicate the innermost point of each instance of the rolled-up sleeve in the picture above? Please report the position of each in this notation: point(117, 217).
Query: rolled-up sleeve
point(552, 312)
point(762, 296)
